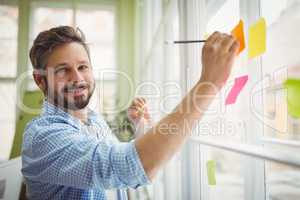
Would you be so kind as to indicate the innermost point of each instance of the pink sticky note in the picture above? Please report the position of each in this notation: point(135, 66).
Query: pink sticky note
point(239, 83)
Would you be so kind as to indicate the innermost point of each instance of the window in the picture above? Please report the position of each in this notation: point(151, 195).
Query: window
point(278, 66)
point(8, 70)
point(7, 118)
point(281, 62)
point(8, 39)
point(228, 12)
point(257, 122)
point(159, 81)
point(100, 35)
point(45, 18)
point(224, 124)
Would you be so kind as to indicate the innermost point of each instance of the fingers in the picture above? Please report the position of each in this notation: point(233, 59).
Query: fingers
point(133, 114)
point(223, 42)
point(220, 39)
point(138, 105)
point(212, 39)
point(218, 56)
point(227, 42)
point(234, 48)
point(141, 102)
point(138, 111)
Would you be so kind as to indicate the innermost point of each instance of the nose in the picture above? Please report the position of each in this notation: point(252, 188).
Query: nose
point(76, 76)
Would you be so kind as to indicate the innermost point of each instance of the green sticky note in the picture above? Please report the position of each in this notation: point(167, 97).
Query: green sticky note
point(211, 172)
point(293, 96)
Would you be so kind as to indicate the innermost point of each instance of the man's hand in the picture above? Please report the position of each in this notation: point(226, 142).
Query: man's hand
point(138, 111)
point(218, 55)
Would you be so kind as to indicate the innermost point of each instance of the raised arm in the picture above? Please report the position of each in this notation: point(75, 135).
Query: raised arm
point(161, 142)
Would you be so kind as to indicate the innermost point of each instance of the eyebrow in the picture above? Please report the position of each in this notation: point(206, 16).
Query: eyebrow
point(61, 65)
point(83, 62)
point(66, 64)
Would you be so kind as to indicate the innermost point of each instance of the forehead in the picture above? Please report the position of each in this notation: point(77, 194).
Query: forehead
point(70, 53)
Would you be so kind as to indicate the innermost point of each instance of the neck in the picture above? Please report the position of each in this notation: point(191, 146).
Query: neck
point(81, 114)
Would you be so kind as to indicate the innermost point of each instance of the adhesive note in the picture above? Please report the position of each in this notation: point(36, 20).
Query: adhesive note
point(257, 38)
point(293, 97)
point(239, 83)
point(238, 33)
point(211, 172)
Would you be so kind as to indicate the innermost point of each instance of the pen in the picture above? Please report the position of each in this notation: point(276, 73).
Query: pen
point(184, 41)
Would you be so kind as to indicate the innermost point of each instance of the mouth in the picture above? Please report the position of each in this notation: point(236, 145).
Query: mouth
point(76, 91)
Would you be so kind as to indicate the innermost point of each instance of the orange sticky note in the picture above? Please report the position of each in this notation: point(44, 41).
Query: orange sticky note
point(238, 33)
point(257, 38)
point(239, 83)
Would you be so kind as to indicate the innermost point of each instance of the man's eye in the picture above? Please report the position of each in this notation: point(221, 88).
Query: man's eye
point(60, 71)
point(83, 67)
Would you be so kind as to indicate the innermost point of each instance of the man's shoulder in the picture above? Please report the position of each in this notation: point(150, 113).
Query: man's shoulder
point(47, 121)
point(46, 124)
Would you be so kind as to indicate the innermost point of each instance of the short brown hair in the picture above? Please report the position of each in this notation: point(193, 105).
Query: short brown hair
point(47, 40)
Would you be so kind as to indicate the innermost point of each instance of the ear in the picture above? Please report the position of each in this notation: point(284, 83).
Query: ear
point(40, 80)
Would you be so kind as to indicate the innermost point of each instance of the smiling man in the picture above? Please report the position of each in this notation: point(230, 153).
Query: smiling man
point(69, 151)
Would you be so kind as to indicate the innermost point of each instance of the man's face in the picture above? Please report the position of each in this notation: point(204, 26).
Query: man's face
point(70, 82)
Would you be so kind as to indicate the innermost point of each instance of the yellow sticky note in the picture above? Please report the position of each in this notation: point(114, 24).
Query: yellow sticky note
point(211, 172)
point(257, 38)
point(238, 33)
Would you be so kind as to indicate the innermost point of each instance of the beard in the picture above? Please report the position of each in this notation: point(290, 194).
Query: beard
point(63, 100)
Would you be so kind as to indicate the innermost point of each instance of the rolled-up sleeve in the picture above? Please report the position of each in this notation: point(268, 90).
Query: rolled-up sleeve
point(59, 154)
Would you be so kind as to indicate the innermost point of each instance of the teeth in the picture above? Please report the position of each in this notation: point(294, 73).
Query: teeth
point(76, 90)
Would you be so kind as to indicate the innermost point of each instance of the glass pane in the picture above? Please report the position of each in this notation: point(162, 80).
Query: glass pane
point(100, 34)
point(102, 29)
point(45, 18)
point(102, 56)
point(172, 70)
point(282, 182)
point(9, 22)
point(8, 57)
point(228, 174)
point(272, 12)
point(176, 68)
point(8, 39)
point(228, 13)
point(281, 62)
point(104, 97)
point(157, 11)
point(7, 118)
point(223, 123)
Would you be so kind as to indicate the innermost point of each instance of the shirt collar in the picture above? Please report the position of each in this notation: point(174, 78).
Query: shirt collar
point(50, 109)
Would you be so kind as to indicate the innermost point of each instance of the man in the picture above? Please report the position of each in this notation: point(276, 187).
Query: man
point(64, 158)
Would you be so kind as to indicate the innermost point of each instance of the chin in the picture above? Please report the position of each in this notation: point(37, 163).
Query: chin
point(71, 102)
point(77, 104)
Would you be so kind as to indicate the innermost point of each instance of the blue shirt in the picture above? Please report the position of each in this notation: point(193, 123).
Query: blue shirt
point(62, 159)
